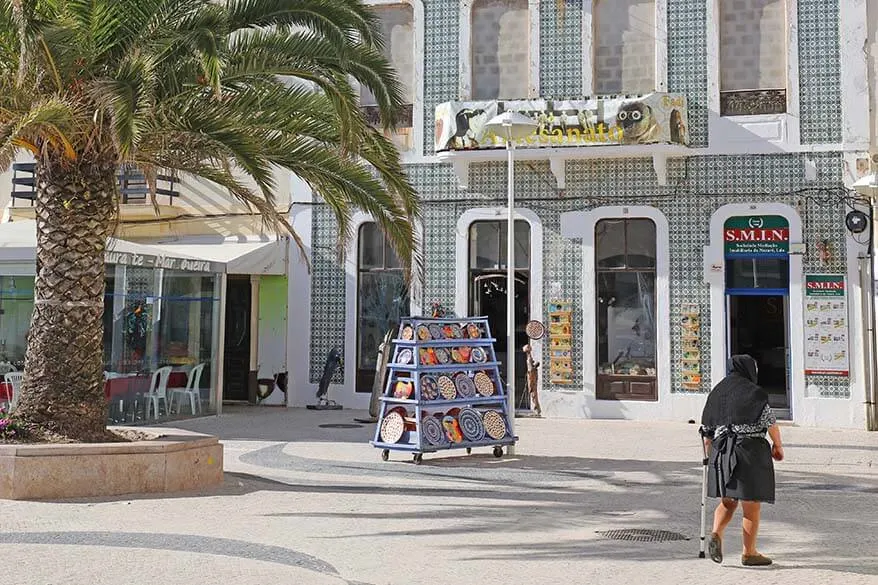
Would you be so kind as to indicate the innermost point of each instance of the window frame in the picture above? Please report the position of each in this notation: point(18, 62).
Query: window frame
point(383, 268)
point(604, 382)
point(589, 25)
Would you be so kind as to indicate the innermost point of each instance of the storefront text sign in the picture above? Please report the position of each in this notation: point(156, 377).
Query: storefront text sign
point(826, 325)
point(657, 118)
point(149, 261)
point(756, 235)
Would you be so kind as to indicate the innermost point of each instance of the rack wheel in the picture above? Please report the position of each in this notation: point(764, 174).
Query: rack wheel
point(498, 451)
point(418, 458)
point(385, 455)
point(469, 450)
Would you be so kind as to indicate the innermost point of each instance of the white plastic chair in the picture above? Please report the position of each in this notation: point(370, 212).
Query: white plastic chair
point(6, 367)
point(158, 390)
point(192, 390)
point(14, 379)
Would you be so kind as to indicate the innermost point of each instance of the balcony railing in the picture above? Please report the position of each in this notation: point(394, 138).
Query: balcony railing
point(753, 102)
point(132, 184)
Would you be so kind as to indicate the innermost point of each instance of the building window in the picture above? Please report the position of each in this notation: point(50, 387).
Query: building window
point(625, 260)
point(382, 299)
point(500, 49)
point(624, 47)
point(753, 63)
point(397, 30)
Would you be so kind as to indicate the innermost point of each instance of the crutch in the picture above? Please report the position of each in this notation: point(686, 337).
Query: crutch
point(704, 461)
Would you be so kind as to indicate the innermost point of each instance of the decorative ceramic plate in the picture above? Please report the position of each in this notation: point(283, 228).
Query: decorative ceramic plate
point(534, 329)
point(446, 387)
point(456, 331)
point(484, 384)
point(473, 331)
point(433, 432)
point(436, 331)
point(479, 356)
point(392, 427)
point(429, 387)
point(442, 355)
point(427, 356)
point(465, 354)
point(423, 333)
point(403, 389)
point(465, 386)
point(495, 426)
point(452, 429)
point(471, 425)
point(404, 356)
point(407, 333)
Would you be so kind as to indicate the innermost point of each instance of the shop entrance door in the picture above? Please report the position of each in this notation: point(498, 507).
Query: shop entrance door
point(236, 358)
point(759, 326)
point(489, 300)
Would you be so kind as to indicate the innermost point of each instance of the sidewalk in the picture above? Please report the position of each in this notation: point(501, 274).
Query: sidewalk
point(304, 504)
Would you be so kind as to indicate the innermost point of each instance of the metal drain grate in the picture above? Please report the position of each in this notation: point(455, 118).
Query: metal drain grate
point(340, 426)
point(642, 535)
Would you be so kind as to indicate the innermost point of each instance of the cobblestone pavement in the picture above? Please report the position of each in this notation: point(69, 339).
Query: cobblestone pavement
point(307, 505)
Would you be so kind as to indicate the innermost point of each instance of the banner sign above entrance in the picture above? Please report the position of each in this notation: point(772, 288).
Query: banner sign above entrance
point(826, 325)
point(656, 118)
point(756, 235)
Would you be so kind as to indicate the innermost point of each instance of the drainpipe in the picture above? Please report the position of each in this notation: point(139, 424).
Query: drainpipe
point(871, 413)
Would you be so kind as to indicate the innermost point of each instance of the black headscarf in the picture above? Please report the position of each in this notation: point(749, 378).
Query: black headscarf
point(736, 399)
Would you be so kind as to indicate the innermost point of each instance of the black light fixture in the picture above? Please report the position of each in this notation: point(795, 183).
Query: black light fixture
point(856, 221)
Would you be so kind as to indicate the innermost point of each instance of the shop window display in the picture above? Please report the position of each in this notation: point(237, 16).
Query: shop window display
point(625, 251)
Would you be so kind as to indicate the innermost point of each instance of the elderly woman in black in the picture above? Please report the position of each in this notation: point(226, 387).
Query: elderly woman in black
point(735, 421)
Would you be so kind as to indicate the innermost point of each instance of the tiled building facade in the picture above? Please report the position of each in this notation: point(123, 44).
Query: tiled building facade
point(790, 155)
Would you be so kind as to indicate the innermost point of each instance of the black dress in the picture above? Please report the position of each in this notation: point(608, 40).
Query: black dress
point(740, 465)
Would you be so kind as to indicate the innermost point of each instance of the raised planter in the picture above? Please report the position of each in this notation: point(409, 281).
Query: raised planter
point(177, 461)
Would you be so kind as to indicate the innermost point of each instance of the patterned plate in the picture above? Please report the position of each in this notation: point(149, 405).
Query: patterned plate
point(429, 388)
point(436, 331)
point(403, 389)
point(433, 432)
point(484, 384)
point(465, 386)
point(407, 333)
point(446, 387)
point(456, 331)
point(404, 356)
point(535, 329)
point(392, 427)
point(471, 425)
point(479, 356)
point(495, 426)
point(465, 354)
point(473, 331)
point(423, 333)
point(442, 355)
point(427, 356)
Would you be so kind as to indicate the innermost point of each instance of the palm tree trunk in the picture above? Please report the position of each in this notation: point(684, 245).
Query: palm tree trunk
point(63, 390)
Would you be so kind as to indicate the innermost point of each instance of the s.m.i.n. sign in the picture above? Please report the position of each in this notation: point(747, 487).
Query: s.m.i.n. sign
point(756, 235)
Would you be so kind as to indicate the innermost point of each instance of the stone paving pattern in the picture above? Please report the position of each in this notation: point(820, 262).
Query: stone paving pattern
point(309, 505)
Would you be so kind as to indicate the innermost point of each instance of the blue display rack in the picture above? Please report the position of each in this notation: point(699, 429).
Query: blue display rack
point(442, 352)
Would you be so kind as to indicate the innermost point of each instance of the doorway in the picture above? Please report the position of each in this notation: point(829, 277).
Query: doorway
point(236, 357)
point(759, 326)
point(488, 293)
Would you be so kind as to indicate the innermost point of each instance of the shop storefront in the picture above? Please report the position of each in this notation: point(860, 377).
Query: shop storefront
point(162, 322)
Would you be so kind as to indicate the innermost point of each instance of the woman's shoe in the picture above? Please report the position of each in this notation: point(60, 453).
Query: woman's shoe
point(756, 560)
point(715, 548)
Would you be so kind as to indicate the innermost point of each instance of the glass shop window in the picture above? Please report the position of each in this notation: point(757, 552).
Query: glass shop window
point(382, 299)
point(758, 273)
point(625, 252)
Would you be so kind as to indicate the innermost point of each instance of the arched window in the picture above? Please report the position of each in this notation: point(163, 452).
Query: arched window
point(500, 39)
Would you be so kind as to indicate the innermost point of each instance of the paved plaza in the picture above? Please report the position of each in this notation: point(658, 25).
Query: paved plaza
point(304, 504)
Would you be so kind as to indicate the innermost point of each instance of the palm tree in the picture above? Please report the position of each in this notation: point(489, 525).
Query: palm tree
point(227, 90)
